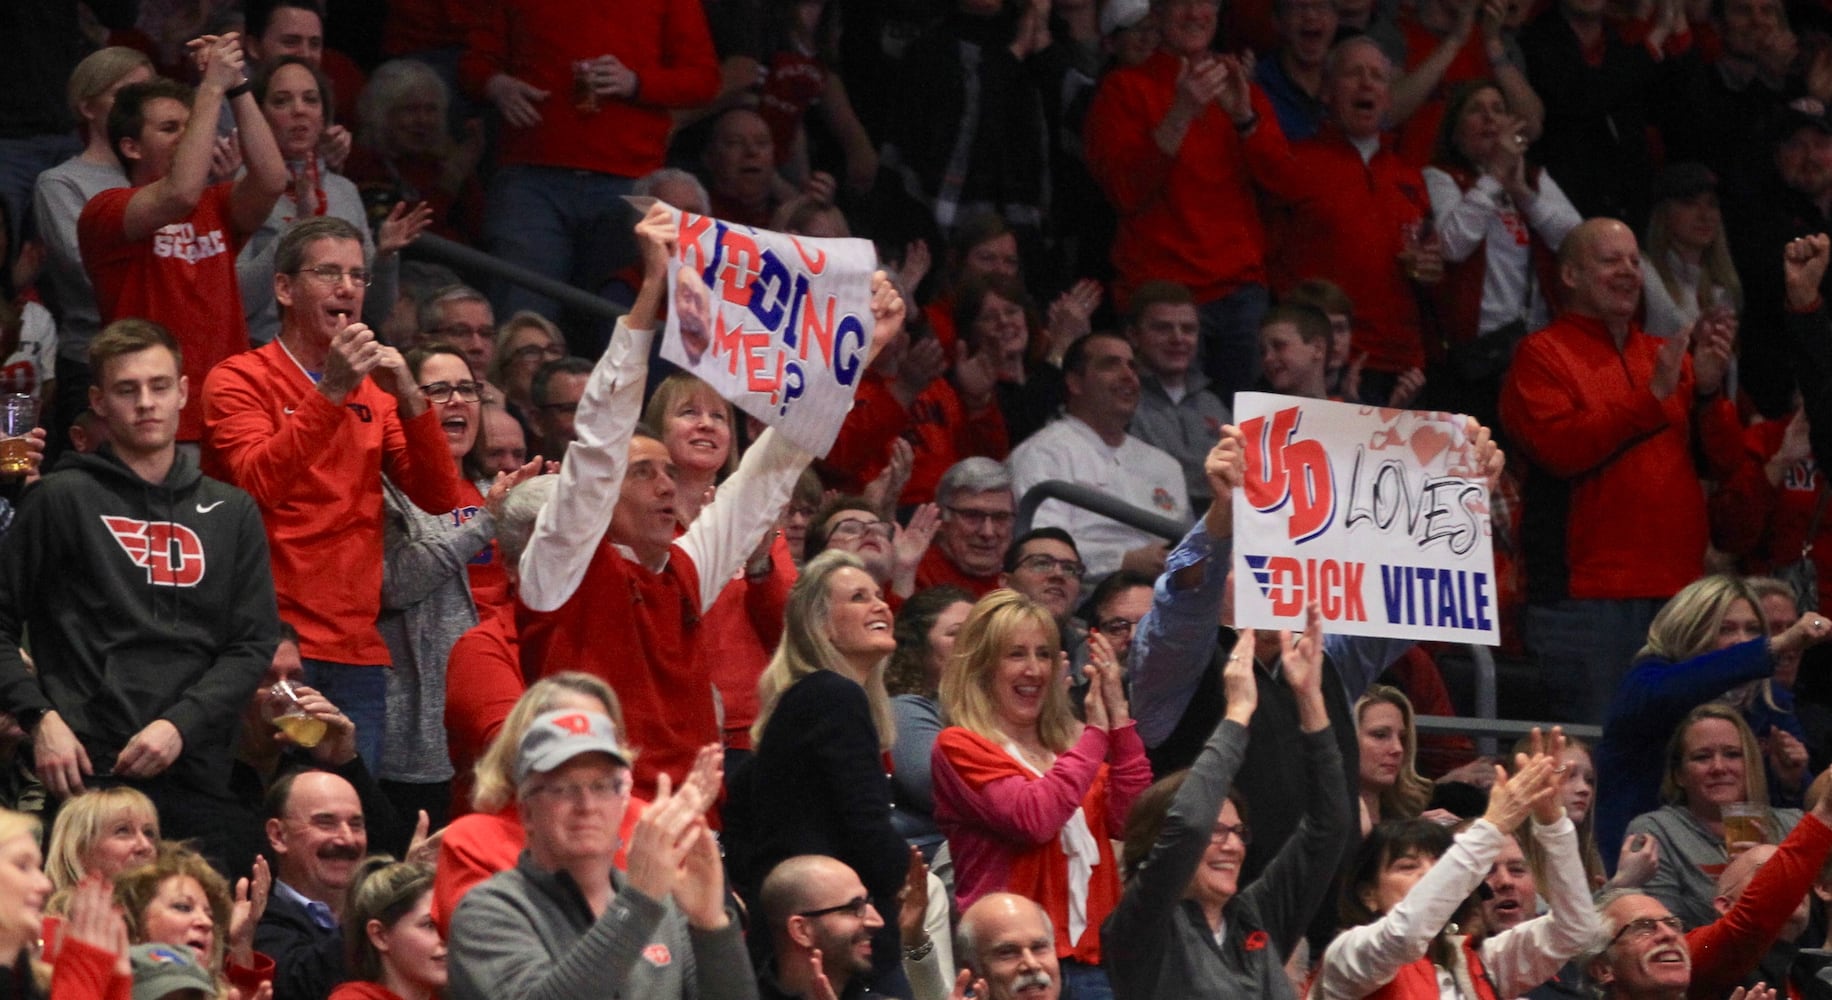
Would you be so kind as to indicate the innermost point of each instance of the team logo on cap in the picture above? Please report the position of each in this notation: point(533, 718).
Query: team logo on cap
point(578, 725)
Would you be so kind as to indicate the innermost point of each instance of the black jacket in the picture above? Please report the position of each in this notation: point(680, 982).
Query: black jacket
point(143, 601)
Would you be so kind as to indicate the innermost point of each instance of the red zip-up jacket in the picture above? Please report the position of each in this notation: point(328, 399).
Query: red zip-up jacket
point(1614, 508)
point(1190, 217)
point(1342, 219)
point(315, 469)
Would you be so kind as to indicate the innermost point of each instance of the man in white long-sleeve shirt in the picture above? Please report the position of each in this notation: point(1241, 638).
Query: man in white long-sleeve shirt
point(606, 586)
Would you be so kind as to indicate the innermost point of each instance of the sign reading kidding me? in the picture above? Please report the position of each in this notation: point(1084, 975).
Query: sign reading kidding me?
point(779, 325)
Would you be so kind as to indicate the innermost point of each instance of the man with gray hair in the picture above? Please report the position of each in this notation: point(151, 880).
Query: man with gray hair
point(977, 511)
point(307, 425)
point(1644, 951)
point(1007, 942)
point(677, 187)
point(461, 316)
point(564, 922)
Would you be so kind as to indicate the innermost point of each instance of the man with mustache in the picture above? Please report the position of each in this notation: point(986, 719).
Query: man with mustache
point(1642, 951)
point(316, 830)
point(1008, 943)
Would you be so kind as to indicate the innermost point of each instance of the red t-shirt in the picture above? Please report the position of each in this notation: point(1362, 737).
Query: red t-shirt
point(182, 278)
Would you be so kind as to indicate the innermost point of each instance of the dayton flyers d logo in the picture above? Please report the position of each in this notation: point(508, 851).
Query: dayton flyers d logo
point(172, 553)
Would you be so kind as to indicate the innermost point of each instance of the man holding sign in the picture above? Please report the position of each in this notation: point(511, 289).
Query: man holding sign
point(1606, 416)
point(606, 586)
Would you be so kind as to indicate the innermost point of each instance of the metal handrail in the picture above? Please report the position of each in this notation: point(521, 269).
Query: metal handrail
point(457, 255)
point(1488, 730)
point(1088, 498)
point(1483, 725)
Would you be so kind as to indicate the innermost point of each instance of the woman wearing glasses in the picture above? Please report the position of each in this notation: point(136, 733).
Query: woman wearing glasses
point(1187, 837)
point(1029, 798)
point(438, 572)
point(1411, 893)
point(816, 784)
point(525, 343)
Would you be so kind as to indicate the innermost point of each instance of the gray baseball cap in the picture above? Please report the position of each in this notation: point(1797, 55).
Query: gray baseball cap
point(161, 970)
point(554, 738)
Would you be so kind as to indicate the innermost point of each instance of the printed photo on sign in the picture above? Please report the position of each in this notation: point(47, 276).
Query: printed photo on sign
point(1380, 516)
point(780, 325)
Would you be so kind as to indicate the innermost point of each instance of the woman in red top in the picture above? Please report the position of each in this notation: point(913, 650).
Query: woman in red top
point(396, 951)
point(1029, 798)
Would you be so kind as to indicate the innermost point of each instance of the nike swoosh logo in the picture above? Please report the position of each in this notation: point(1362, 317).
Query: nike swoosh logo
point(201, 509)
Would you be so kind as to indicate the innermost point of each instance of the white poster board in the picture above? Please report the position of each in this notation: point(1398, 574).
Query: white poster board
point(779, 325)
point(1378, 515)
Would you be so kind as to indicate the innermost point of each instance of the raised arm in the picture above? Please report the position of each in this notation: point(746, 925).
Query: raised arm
point(175, 196)
point(1523, 957)
point(1175, 641)
point(573, 521)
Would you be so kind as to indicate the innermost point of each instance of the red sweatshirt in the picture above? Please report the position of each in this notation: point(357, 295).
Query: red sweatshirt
point(315, 469)
point(1614, 507)
point(1729, 948)
point(665, 42)
point(1341, 219)
point(940, 431)
point(1192, 217)
point(1767, 523)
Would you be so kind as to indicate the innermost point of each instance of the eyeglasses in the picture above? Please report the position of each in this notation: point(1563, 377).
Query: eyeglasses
point(800, 511)
point(1117, 628)
point(1222, 830)
point(853, 526)
point(531, 352)
point(854, 907)
point(331, 274)
point(977, 519)
point(1644, 927)
point(462, 332)
point(1040, 563)
point(591, 791)
point(572, 407)
point(442, 392)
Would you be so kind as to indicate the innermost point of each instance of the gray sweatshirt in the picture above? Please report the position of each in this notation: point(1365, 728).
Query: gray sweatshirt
point(1158, 944)
point(527, 934)
point(426, 606)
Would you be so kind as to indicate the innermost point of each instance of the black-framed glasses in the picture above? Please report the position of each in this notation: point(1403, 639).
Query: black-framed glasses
point(331, 274)
point(1642, 927)
point(1116, 627)
point(854, 907)
point(853, 526)
point(442, 392)
point(977, 519)
point(1038, 562)
point(1220, 834)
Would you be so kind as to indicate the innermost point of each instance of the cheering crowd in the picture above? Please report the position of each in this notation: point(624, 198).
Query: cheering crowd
point(373, 627)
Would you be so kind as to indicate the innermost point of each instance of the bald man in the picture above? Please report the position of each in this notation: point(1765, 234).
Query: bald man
point(1613, 521)
point(821, 922)
point(1008, 943)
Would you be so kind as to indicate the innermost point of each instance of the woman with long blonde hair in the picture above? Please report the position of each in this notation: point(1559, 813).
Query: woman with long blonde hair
point(816, 782)
point(1709, 638)
point(1029, 797)
point(1391, 786)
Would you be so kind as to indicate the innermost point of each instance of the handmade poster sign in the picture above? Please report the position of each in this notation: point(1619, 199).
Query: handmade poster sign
point(780, 325)
point(1380, 516)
